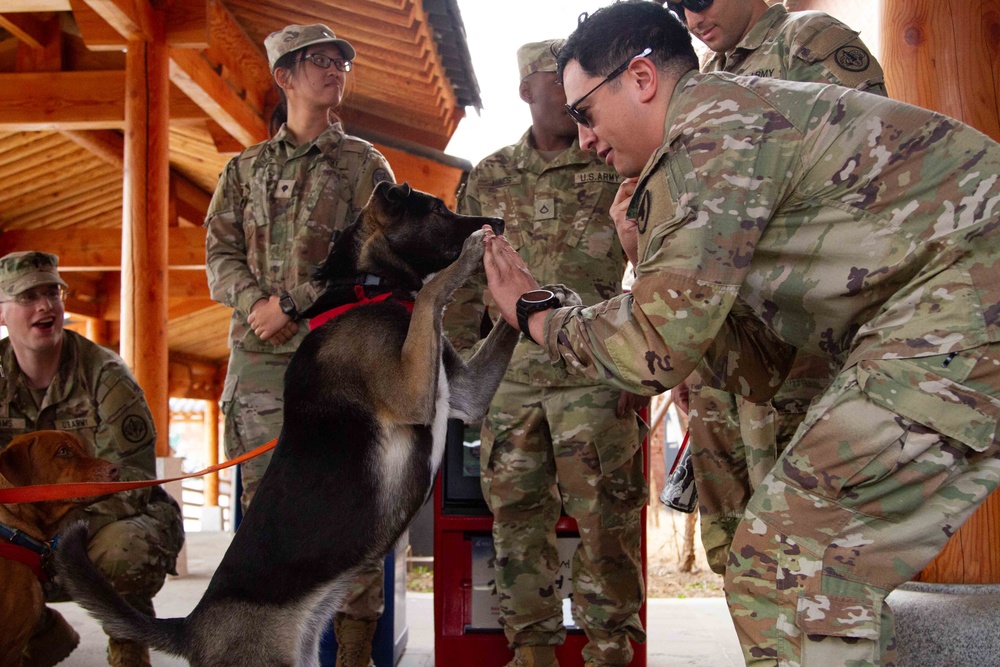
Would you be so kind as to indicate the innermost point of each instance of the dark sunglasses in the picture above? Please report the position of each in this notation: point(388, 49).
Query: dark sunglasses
point(695, 6)
point(324, 62)
point(581, 116)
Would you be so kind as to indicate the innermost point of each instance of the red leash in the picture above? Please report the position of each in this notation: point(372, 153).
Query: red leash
point(41, 492)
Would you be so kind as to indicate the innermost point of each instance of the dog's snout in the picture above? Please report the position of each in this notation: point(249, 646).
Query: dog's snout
point(497, 225)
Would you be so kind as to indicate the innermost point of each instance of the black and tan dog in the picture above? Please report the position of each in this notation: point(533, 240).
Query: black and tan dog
point(367, 399)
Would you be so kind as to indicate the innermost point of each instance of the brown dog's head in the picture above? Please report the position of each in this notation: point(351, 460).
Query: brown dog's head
point(51, 457)
point(402, 235)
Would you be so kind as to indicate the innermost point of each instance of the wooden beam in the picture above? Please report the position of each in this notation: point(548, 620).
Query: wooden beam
point(90, 100)
point(192, 73)
point(242, 61)
point(43, 51)
point(186, 26)
point(62, 100)
point(133, 20)
point(190, 201)
point(101, 249)
point(27, 28)
point(33, 6)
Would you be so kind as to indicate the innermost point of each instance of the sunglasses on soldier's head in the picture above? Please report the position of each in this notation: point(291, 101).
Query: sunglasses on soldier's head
point(580, 115)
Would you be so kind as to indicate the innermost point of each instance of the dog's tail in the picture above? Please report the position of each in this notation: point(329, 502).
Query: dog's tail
point(92, 591)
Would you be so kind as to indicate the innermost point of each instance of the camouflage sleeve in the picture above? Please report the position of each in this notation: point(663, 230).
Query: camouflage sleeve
point(464, 315)
point(823, 41)
point(126, 435)
point(373, 170)
point(230, 280)
point(699, 226)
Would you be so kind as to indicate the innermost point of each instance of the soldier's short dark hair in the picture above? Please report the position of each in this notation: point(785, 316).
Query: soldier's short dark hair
point(610, 36)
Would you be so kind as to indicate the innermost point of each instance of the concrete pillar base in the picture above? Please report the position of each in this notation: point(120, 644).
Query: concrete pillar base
point(943, 625)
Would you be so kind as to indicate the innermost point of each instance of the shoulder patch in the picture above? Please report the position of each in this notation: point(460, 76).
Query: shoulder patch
point(853, 58)
point(642, 211)
point(134, 429)
point(380, 175)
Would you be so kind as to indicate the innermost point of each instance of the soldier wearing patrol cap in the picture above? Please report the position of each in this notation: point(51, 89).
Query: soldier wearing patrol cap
point(275, 215)
point(553, 441)
point(51, 378)
point(773, 216)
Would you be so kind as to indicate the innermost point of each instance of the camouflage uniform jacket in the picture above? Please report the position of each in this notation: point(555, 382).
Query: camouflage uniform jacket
point(781, 214)
point(274, 217)
point(94, 396)
point(802, 46)
point(556, 216)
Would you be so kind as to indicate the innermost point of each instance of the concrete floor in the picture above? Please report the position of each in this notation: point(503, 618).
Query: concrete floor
point(682, 632)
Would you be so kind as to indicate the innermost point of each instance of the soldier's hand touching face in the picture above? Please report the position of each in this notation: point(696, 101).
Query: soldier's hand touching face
point(628, 229)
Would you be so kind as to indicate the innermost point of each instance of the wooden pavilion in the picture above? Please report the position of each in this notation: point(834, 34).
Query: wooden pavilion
point(116, 117)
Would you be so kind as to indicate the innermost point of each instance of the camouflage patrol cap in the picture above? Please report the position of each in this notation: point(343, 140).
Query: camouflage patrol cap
point(294, 37)
point(538, 57)
point(20, 271)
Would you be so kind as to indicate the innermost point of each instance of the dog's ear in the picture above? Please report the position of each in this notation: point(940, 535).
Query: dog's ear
point(397, 194)
point(15, 460)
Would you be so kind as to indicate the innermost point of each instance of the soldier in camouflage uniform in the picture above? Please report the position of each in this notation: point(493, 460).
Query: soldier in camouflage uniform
point(769, 217)
point(553, 441)
point(56, 379)
point(273, 220)
point(734, 443)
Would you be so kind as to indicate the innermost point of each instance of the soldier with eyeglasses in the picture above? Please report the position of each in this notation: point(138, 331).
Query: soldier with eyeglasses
point(274, 218)
point(51, 378)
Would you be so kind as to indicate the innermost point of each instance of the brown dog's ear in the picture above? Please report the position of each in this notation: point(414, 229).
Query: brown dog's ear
point(15, 460)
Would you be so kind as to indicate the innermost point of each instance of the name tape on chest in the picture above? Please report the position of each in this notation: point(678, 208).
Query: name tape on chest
point(13, 423)
point(597, 177)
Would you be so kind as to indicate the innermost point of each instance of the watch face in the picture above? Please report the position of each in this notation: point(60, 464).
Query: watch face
point(537, 296)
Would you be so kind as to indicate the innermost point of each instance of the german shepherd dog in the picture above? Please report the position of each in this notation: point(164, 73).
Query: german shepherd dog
point(367, 399)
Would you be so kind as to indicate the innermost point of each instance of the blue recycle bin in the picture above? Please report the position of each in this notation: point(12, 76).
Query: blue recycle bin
point(391, 632)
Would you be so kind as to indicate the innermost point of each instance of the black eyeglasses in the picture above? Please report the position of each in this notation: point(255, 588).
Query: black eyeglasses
point(581, 116)
point(324, 62)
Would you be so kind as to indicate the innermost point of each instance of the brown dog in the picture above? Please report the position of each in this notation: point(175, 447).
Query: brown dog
point(42, 457)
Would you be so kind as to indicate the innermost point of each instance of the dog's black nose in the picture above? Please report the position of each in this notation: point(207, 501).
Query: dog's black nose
point(497, 225)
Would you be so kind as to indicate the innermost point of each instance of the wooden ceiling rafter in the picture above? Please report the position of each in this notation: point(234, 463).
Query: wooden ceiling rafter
point(61, 142)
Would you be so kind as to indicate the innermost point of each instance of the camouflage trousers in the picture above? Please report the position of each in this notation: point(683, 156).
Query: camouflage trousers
point(545, 450)
point(253, 406)
point(734, 445)
point(135, 553)
point(859, 503)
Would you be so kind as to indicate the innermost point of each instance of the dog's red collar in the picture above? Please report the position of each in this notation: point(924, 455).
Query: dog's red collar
point(28, 557)
point(359, 292)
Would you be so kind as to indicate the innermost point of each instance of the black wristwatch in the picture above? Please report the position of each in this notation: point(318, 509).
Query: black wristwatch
point(287, 305)
point(533, 302)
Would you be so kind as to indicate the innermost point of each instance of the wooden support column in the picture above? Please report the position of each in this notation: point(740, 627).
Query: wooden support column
point(144, 226)
point(943, 55)
point(212, 453)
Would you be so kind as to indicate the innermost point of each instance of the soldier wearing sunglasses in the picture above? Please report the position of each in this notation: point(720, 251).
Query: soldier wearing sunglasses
point(773, 216)
point(735, 443)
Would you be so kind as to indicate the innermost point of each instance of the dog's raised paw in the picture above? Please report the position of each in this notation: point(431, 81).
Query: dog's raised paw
point(567, 297)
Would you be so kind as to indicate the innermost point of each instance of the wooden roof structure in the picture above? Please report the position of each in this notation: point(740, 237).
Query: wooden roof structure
point(63, 121)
